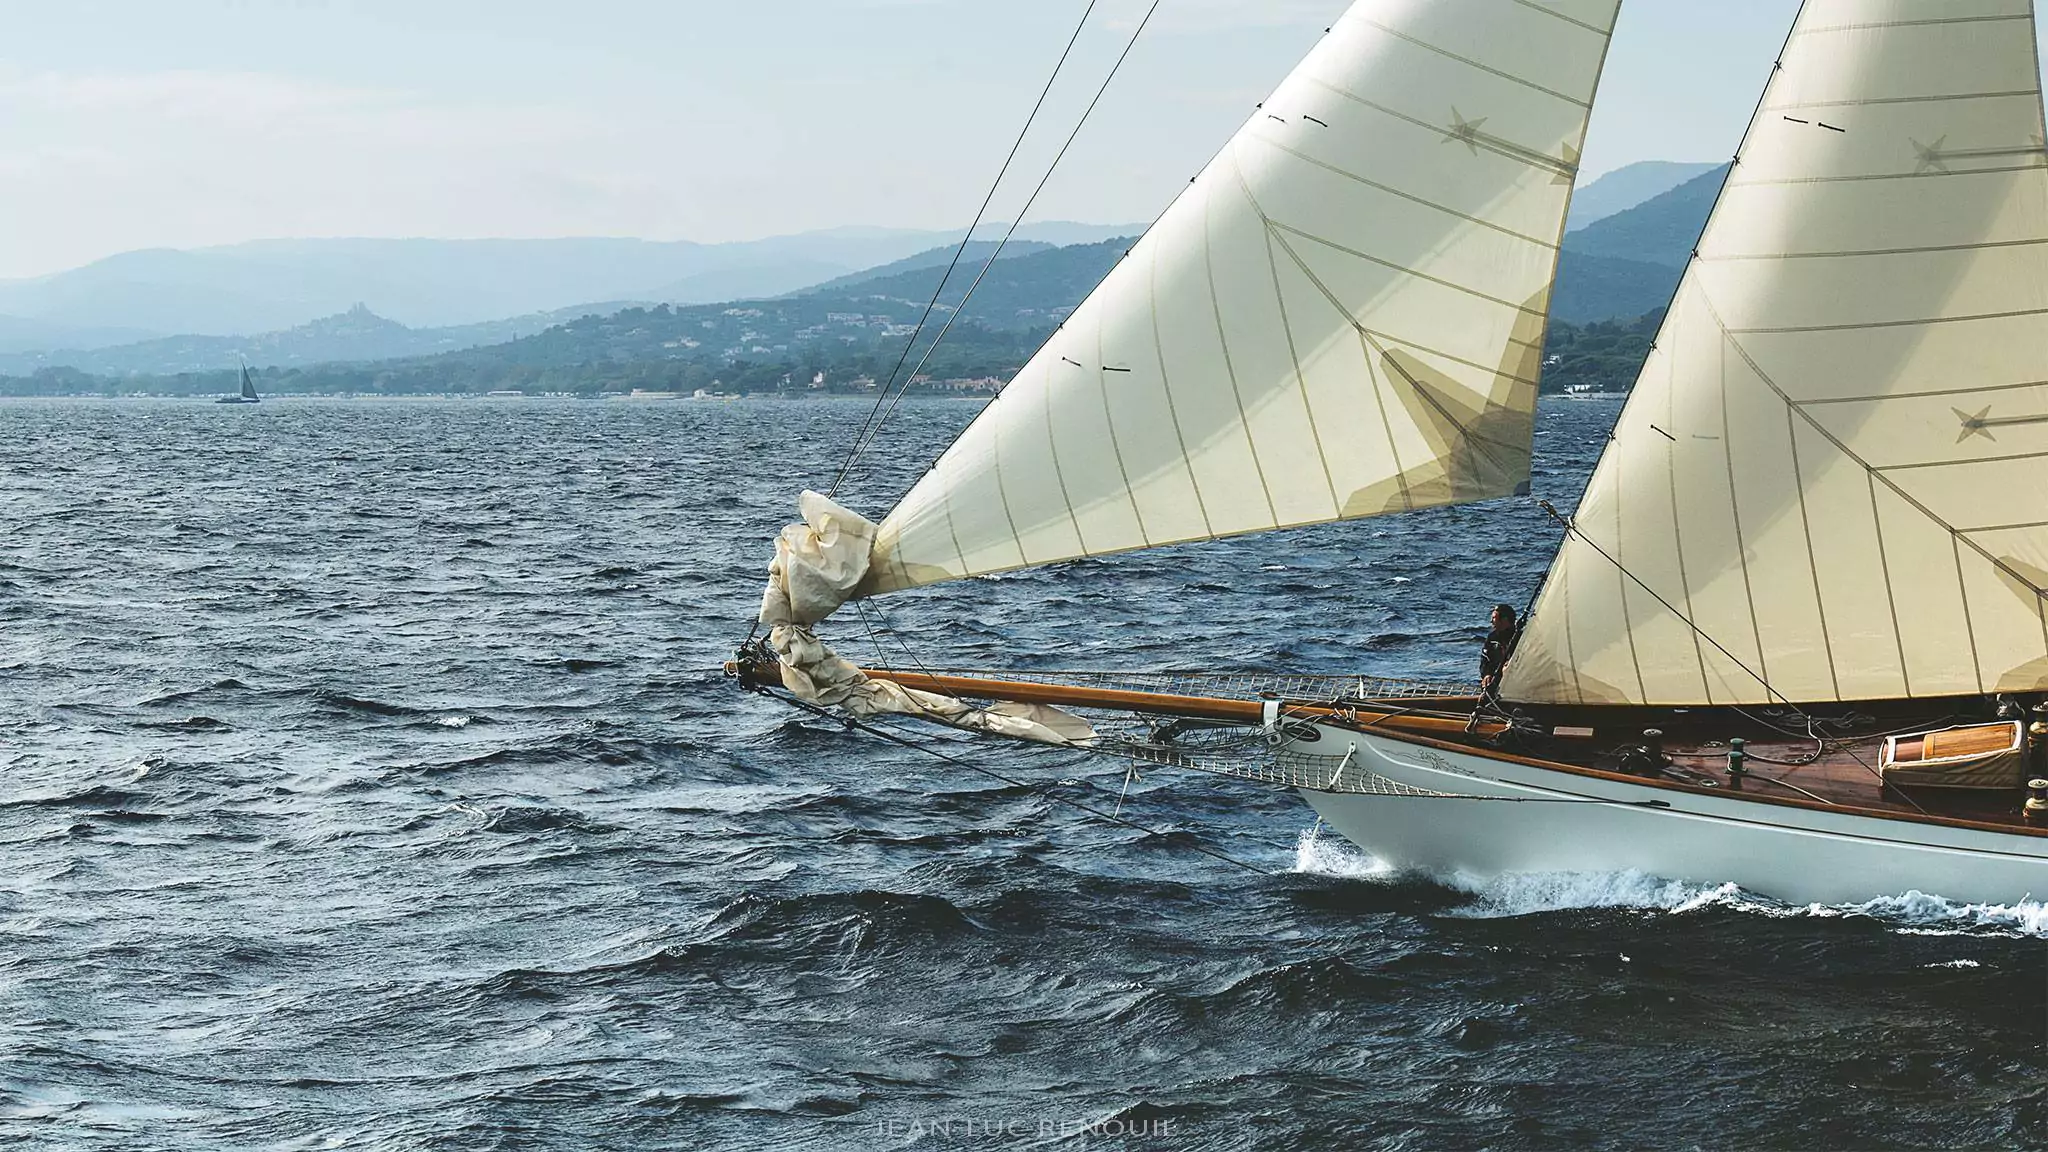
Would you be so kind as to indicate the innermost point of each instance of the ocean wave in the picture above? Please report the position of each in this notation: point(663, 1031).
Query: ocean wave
point(1317, 853)
point(1916, 913)
point(225, 684)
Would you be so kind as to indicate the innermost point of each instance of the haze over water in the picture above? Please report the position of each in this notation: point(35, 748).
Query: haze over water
point(371, 783)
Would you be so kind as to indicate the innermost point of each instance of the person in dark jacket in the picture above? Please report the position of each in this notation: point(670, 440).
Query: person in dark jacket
point(1493, 658)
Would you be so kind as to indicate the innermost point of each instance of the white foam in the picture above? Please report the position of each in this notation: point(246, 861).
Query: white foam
point(1523, 893)
point(1922, 915)
point(1318, 855)
point(453, 721)
point(1915, 913)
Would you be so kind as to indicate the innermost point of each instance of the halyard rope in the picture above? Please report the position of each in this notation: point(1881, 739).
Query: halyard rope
point(861, 437)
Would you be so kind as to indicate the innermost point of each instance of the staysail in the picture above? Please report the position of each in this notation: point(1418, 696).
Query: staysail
point(1831, 479)
point(248, 385)
point(1342, 315)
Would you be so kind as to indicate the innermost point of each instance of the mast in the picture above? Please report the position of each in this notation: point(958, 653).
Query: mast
point(1831, 479)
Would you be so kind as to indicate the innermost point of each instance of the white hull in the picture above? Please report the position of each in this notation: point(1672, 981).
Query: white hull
point(1795, 854)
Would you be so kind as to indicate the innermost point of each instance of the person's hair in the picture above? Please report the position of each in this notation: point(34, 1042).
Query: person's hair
point(1507, 610)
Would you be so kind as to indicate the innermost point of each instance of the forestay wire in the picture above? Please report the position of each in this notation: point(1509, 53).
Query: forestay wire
point(861, 436)
point(878, 416)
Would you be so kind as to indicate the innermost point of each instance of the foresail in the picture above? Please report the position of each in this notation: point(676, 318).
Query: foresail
point(1831, 480)
point(1342, 316)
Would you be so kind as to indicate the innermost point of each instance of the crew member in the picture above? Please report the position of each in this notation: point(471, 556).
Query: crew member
point(1493, 658)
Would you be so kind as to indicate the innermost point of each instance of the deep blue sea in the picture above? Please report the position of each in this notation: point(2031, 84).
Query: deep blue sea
point(371, 783)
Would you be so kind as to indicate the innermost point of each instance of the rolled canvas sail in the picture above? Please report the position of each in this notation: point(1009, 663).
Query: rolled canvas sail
point(1832, 476)
point(1341, 317)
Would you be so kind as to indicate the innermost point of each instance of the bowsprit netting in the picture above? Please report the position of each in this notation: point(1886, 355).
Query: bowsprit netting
point(1253, 754)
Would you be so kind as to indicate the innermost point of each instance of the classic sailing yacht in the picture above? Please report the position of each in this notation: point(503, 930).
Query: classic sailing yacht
point(1791, 635)
point(248, 394)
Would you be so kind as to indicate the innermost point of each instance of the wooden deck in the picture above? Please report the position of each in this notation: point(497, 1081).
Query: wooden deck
point(1838, 772)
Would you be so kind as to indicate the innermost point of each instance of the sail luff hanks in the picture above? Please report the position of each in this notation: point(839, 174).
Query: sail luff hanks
point(1341, 317)
point(1831, 480)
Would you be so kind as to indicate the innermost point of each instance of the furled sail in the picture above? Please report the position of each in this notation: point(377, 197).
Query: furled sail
point(1831, 480)
point(1342, 316)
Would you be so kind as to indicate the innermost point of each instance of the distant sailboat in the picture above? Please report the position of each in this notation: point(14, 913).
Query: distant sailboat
point(1794, 627)
point(248, 395)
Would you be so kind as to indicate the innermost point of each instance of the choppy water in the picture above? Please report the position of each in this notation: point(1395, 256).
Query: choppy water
point(369, 784)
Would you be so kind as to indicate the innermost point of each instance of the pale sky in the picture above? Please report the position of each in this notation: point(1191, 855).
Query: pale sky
point(181, 123)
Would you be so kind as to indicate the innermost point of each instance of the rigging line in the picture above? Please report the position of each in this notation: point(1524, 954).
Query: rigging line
point(863, 607)
point(1699, 238)
point(992, 774)
point(960, 251)
point(1572, 530)
point(961, 308)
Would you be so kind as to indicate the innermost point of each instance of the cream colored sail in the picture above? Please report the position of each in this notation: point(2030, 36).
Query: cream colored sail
point(1342, 316)
point(1832, 476)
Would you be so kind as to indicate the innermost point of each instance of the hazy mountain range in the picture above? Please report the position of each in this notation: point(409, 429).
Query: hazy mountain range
point(1624, 263)
point(1624, 188)
point(1627, 263)
point(273, 285)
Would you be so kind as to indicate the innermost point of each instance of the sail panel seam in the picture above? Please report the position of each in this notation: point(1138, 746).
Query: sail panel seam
point(1471, 63)
point(1244, 419)
point(1408, 196)
point(1052, 445)
point(1928, 98)
point(2006, 527)
point(1506, 149)
point(1572, 20)
point(1955, 547)
point(1407, 271)
point(1954, 463)
point(1115, 443)
point(1884, 566)
point(1308, 412)
point(1379, 399)
point(1931, 174)
point(1166, 386)
point(1934, 22)
point(1699, 654)
point(1923, 395)
point(1981, 246)
point(1887, 323)
point(1812, 558)
point(1763, 659)
point(1002, 487)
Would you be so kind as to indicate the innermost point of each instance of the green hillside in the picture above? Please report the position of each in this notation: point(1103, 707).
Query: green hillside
point(1660, 230)
point(972, 257)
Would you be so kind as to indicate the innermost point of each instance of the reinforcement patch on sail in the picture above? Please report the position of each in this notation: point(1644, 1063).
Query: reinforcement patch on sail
point(1831, 480)
point(1341, 316)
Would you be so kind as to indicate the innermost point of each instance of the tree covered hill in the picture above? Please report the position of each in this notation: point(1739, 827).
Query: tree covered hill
point(973, 256)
